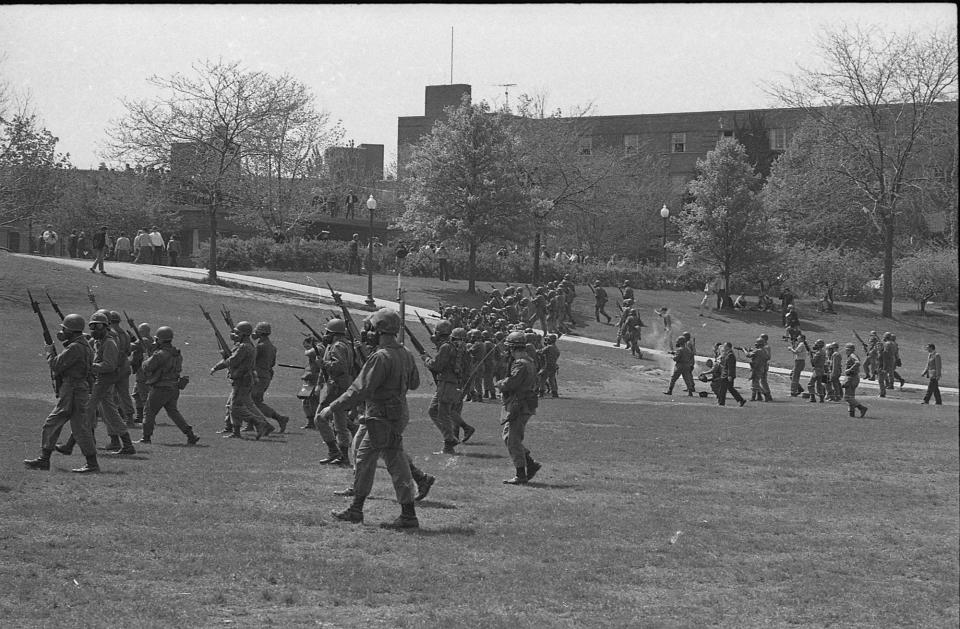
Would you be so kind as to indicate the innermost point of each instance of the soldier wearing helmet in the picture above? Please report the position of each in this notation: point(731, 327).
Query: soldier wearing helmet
point(548, 357)
point(489, 364)
point(851, 380)
point(240, 364)
point(758, 362)
point(108, 369)
point(264, 362)
point(162, 372)
point(600, 301)
point(519, 393)
point(140, 348)
point(124, 370)
point(626, 291)
point(338, 370)
point(71, 369)
point(818, 365)
point(312, 382)
point(382, 384)
point(833, 370)
point(450, 367)
point(475, 349)
point(683, 363)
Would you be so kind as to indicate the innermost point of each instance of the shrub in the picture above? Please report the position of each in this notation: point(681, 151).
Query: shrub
point(927, 274)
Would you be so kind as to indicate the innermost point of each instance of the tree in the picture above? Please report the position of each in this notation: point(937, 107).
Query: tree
point(725, 226)
point(878, 99)
point(463, 182)
point(927, 274)
point(204, 127)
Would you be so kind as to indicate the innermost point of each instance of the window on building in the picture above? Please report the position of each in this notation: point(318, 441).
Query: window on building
point(631, 144)
point(724, 133)
point(778, 139)
point(586, 146)
point(678, 142)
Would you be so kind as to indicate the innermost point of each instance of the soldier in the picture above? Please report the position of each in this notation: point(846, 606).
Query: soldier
point(818, 361)
point(835, 371)
point(338, 371)
point(107, 363)
point(600, 299)
point(684, 362)
point(519, 392)
point(630, 328)
point(851, 379)
point(383, 383)
point(627, 291)
point(309, 394)
point(933, 371)
point(140, 351)
point(800, 351)
point(896, 362)
point(71, 368)
point(764, 385)
point(886, 356)
point(489, 364)
point(241, 371)
point(758, 360)
point(728, 375)
point(162, 373)
point(549, 356)
point(122, 387)
point(266, 358)
point(447, 366)
point(475, 348)
point(872, 350)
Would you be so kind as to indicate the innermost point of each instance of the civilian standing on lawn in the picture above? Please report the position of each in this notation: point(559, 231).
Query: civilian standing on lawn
point(934, 371)
point(72, 243)
point(122, 248)
point(156, 241)
point(100, 248)
point(50, 240)
point(442, 260)
point(173, 250)
point(142, 247)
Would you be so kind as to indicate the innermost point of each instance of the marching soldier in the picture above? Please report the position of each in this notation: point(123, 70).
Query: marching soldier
point(549, 355)
point(72, 369)
point(627, 291)
point(162, 373)
point(266, 359)
point(851, 379)
point(107, 370)
point(124, 401)
point(447, 366)
point(141, 351)
point(382, 383)
point(519, 392)
point(309, 394)
point(241, 371)
point(337, 368)
point(684, 362)
point(600, 299)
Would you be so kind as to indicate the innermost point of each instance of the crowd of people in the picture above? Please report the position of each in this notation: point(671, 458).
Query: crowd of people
point(146, 247)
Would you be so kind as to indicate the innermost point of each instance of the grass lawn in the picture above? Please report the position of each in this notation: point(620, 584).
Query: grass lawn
point(649, 511)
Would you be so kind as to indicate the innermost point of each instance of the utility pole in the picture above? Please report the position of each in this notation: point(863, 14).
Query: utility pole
point(506, 93)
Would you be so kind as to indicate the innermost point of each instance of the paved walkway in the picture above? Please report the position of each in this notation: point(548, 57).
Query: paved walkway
point(169, 275)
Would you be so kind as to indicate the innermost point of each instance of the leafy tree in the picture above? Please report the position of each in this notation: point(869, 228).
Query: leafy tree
point(462, 182)
point(815, 270)
point(725, 226)
point(29, 168)
point(205, 127)
point(879, 98)
point(927, 274)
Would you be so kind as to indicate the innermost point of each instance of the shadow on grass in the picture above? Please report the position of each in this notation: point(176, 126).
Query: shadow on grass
point(182, 445)
point(483, 455)
point(550, 486)
point(5, 489)
point(444, 530)
point(124, 457)
point(107, 472)
point(436, 504)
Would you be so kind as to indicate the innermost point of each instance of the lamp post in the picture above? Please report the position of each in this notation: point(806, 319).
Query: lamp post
point(664, 214)
point(371, 205)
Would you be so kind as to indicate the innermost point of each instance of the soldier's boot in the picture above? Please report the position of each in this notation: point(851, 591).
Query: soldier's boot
point(264, 430)
point(114, 443)
point(66, 448)
point(407, 519)
point(448, 447)
point(233, 433)
point(139, 418)
point(126, 447)
point(192, 438)
point(532, 467)
point(91, 466)
point(344, 460)
point(424, 485)
point(468, 431)
point(310, 425)
point(353, 513)
point(862, 409)
point(282, 420)
point(519, 479)
point(42, 462)
point(333, 454)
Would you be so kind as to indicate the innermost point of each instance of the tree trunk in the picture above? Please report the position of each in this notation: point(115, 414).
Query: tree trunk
point(923, 307)
point(888, 229)
point(212, 262)
point(472, 269)
point(536, 260)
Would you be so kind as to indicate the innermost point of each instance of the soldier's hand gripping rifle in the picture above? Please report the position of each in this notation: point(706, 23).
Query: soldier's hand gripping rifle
point(224, 348)
point(136, 333)
point(46, 337)
point(420, 348)
point(226, 316)
point(92, 298)
point(56, 308)
point(353, 332)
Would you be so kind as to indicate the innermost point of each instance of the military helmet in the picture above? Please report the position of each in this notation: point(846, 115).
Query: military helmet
point(335, 326)
point(385, 321)
point(244, 328)
point(473, 334)
point(626, 282)
point(551, 339)
point(887, 336)
point(681, 340)
point(485, 335)
point(850, 346)
point(143, 329)
point(443, 328)
point(104, 312)
point(499, 335)
point(262, 327)
point(596, 282)
point(73, 323)
point(459, 333)
point(758, 343)
point(164, 333)
point(516, 340)
point(114, 317)
point(817, 344)
point(98, 317)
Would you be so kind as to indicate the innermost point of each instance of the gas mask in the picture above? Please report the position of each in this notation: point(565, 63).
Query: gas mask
point(98, 331)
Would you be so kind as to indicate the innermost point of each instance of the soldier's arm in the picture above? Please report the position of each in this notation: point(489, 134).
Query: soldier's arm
point(59, 363)
point(371, 375)
point(109, 358)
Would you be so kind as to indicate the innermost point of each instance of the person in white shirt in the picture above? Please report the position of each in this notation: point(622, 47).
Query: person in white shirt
point(156, 241)
point(122, 248)
point(50, 240)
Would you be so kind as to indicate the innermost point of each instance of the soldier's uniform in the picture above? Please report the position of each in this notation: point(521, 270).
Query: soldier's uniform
point(264, 362)
point(728, 376)
point(872, 350)
point(519, 394)
point(835, 371)
point(549, 357)
point(684, 360)
point(600, 301)
point(108, 368)
point(887, 363)
point(309, 394)
point(162, 372)
point(448, 367)
point(140, 351)
point(241, 371)
point(72, 370)
point(851, 373)
point(124, 371)
point(475, 348)
point(818, 361)
point(338, 370)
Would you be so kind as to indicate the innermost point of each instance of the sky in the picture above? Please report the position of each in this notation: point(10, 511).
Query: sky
point(369, 64)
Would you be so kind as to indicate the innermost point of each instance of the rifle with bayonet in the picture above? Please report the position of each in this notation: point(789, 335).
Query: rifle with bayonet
point(426, 326)
point(226, 316)
point(136, 333)
point(92, 298)
point(316, 335)
point(290, 366)
point(56, 308)
point(353, 332)
point(46, 338)
point(224, 348)
point(862, 342)
point(421, 350)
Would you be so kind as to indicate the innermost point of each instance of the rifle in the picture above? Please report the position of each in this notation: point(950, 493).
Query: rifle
point(290, 366)
point(353, 333)
point(226, 316)
point(46, 338)
point(92, 297)
point(425, 325)
point(592, 289)
point(530, 291)
point(621, 291)
point(473, 372)
point(224, 348)
point(56, 308)
point(419, 347)
point(136, 333)
point(316, 335)
point(865, 348)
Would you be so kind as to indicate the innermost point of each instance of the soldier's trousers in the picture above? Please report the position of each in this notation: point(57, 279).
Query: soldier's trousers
point(795, 386)
point(258, 391)
point(140, 391)
point(443, 413)
point(340, 431)
point(103, 395)
point(310, 406)
point(764, 387)
point(383, 439)
point(124, 401)
point(71, 407)
point(242, 408)
point(489, 389)
point(548, 380)
point(815, 386)
point(687, 375)
point(513, 432)
point(166, 399)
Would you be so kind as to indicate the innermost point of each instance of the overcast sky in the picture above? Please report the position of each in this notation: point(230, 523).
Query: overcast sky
point(368, 64)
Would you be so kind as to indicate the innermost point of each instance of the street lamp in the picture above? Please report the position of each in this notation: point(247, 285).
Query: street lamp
point(371, 205)
point(664, 214)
